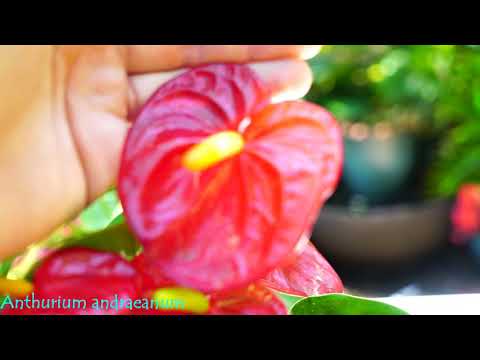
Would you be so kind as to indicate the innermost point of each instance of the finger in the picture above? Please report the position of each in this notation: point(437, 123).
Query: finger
point(96, 100)
point(154, 58)
point(286, 79)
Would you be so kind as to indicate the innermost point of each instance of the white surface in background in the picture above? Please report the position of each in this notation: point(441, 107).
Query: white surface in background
point(465, 304)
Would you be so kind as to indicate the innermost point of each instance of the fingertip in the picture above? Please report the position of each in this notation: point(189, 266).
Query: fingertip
point(143, 86)
point(286, 79)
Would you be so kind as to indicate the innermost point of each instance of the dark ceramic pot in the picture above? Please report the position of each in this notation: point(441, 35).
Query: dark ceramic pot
point(384, 234)
point(378, 168)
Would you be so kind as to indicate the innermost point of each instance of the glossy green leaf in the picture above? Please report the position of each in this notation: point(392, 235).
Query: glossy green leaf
point(341, 304)
point(115, 238)
point(100, 226)
point(101, 212)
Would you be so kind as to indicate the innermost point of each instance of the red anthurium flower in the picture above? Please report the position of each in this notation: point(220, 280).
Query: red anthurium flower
point(151, 278)
point(308, 275)
point(466, 214)
point(71, 276)
point(217, 184)
point(71, 280)
point(253, 300)
point(86, 273)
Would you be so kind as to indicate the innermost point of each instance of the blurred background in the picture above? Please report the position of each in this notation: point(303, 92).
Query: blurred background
point(406, 216)
point(405, 219)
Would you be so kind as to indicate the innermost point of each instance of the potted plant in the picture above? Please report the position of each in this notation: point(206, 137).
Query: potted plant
point(399, 105)
point(456, 170)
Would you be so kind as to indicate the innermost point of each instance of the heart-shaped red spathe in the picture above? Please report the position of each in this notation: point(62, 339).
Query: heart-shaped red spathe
point(252, 300)
point(309, 274)
point(255, 299)
point(69, 276)
point(77, 274)
point(80, 273)
point(229, 225)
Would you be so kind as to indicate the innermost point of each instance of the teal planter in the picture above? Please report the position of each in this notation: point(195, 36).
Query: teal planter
point(378, 168)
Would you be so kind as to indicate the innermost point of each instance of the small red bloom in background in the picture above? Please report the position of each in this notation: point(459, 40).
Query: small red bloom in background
point(466, 214)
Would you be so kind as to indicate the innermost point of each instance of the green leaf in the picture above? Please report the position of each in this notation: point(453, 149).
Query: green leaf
point(342, 304)
point(120, 219)
point(115, 238)
point(5, 266)
point(2, 298)
point(101, 212)
point(101, 226)
point(28, 261)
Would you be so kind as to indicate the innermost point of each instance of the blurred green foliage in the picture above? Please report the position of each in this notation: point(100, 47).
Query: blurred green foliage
point(101, 213)
point(435, 86)
point(5, 267)
point(370, 82)
point(99, 226)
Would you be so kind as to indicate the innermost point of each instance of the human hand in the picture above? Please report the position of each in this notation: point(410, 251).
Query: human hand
point(65, 112)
